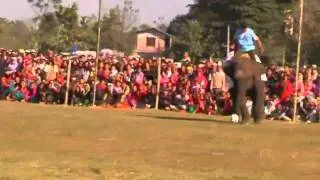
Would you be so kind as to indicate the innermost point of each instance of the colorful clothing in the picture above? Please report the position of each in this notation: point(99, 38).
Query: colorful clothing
point(246, 39)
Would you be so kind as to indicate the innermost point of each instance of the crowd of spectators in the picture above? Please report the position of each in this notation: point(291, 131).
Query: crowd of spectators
point(131, 82)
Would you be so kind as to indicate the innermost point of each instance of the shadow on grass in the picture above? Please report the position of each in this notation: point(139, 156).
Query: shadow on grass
point(185, 119)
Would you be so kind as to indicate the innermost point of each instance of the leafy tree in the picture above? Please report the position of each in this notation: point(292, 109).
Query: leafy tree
point(117, 28)
point(160, 24)
point(265, 16)
point(41, 7)
point(310, 32)
point(60, 29)
point(129, 15)
point(189, 38)
point(14, 34)
point(144, 26)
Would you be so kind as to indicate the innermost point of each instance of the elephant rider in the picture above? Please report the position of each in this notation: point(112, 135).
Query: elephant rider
point(245, 40)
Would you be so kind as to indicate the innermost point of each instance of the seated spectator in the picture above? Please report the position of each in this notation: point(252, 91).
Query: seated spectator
point(133, 97)
point(33, 93)
point(165, 100)
point(227, 103)
point(308, 86)
point(285, 87)
point(211, 104)
point(117, 94)
point(25, 91)
point(77, 96)
point(151, 97)
point(316, 87)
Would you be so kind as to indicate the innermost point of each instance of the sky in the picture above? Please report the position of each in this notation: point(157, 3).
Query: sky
point(150, 10)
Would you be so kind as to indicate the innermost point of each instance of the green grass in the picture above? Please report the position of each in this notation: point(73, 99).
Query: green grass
point(56, 142)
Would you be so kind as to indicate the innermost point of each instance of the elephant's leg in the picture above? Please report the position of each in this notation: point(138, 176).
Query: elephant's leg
point(240, 104)
point(258, 101)
point(233, 94)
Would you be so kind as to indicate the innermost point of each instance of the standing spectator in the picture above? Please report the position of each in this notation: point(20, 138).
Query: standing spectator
point(50, 72)
point(300, 84)
point(139, 76)
point(308, 86)
point(2, 73)
point(218, 82)
point(117, 94)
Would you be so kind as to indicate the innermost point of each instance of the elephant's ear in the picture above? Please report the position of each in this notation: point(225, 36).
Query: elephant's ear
point(260, 69)
point(228, 68)
point(266, 60)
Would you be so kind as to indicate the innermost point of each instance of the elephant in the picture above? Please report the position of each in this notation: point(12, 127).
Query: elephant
point(246, 75)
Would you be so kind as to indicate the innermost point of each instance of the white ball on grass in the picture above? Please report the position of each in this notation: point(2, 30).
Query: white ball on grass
point(235, 118)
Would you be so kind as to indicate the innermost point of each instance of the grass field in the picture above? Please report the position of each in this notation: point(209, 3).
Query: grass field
point(54, 142)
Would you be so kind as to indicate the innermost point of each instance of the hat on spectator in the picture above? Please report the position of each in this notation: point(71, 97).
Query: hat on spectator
point(201, 65)
point(189, 68)
point(21, 51)
point(178, 64)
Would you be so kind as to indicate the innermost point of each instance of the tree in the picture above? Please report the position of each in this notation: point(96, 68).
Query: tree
point(187, 36)
point(160, 24)
point(265, 16)
point(194, 38)
point(144, 26)
point(41, 7)
point(14, 34)
point(310, 32)
point(117, 28)
point(129, 16)
point(60, 29)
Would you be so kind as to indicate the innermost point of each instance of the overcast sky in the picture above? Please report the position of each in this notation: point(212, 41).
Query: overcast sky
point(149, 9)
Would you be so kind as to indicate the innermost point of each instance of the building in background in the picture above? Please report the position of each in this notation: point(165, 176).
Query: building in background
point(152, 42)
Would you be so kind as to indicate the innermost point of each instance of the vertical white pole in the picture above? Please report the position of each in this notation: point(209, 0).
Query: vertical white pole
point(284, 54)
point(228, 40)
point(68, 83)
point(298, 61)
point(158, 84)
point(97, 55)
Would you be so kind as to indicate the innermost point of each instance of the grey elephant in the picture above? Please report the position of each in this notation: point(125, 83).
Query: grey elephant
point(246, 75)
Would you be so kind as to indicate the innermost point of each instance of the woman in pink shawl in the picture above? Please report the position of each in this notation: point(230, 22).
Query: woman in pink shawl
point(27, 60)
point(308, 86)
point(202, 79)
point(133, 97)
point(164, 78)
point(139, 76)
point(175, 75)
point(300, 84)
